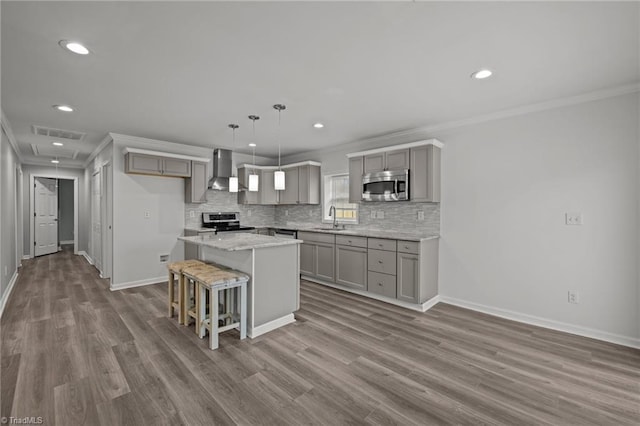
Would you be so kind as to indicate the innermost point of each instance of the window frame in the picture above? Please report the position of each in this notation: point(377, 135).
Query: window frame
point(325, 206)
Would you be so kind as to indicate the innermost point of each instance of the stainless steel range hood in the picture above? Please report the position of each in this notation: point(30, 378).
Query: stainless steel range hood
point(222, 159)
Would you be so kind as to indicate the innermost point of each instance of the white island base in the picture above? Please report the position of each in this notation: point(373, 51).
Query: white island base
point(273, 293)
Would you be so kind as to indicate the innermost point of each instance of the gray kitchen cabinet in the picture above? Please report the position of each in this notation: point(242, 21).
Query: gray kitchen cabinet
point(382, 284)
point(136, 163)
point(425, 174)
point(389, 160)
point(268, 193)
point(196, 185)
point(246, 196)
point(381, 266)
point(356, 169)
point(351, 266)
point(408, 277)
point(290, 193)
point(317, 255)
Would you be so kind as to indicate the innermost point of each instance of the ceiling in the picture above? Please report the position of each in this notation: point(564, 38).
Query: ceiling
point(182, 72)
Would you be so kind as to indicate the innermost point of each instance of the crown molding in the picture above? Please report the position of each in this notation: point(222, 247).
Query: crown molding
point(12, 139)
point(102, 145)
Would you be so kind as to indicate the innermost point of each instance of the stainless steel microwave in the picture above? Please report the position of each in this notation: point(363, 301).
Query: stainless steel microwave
point(390, 185)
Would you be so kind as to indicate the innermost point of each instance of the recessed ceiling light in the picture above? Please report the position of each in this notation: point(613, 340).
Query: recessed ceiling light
point(55, 161)
point(74, 47)
point(252, 145)
point(58, 143)
point(318, 125)
point(480, 74)
point(63, 108)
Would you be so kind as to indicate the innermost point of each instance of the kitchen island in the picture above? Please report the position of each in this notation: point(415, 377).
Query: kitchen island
point(273, 264)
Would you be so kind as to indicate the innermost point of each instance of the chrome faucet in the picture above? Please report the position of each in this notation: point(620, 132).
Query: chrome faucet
point(335, 225)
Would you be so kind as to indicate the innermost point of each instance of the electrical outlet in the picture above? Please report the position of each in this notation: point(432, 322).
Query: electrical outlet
point(192, 214)
point(373, 214)
point(310, 213)
point(380, 214)
point(420, 215)
point(249, 213)
point(286, 212)
point(147, 214)
point(573, 297)
point(573, 218)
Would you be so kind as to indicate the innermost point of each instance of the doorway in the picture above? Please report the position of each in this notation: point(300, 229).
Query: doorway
point(44, 211)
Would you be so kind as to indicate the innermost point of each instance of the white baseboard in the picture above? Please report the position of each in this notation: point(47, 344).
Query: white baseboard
point(67, 242)
point(420, 307)
point(271, 325)
point(8, 291)
point(86, 256)
point(140, 283)
point(546, 323)
point(26, 257)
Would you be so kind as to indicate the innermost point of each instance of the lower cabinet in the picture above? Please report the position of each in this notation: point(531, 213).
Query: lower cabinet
point(351, 266)
point(317, 255)
point(325, 257)
point(408, 277)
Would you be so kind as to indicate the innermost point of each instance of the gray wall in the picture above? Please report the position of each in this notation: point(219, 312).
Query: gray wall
point(8, 258)
point(65, 210)
point(84, 216)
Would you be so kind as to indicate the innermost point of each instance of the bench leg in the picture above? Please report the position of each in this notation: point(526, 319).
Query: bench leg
point(182, 308)
point(213, 316)
point(243, 311)
point(201, 308)
point(170, 283)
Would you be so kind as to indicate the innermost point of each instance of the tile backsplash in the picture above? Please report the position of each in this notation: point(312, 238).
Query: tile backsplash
point(397, 216)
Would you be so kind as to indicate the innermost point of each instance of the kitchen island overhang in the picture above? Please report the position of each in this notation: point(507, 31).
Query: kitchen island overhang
point(273, 293)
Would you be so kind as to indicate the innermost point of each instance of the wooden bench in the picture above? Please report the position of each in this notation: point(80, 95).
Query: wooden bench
point(178, 303)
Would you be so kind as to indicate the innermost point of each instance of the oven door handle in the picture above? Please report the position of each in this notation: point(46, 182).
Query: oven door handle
point(395, 187)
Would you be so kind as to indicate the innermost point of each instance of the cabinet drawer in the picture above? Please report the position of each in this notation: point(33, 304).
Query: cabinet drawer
point(412, 247)
point(382, 261)
point(317, 237)
point(344, 240)
point(382, 244)
point(382, 284)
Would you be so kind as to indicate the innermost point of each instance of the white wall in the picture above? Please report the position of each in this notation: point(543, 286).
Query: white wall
point(506, 187)
point(83, 211)
point(8, 258)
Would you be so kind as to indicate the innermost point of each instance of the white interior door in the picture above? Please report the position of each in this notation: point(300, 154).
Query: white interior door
point(96, 223)
point(46, 216)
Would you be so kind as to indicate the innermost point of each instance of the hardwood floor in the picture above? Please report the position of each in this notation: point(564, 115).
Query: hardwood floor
point(74, 352)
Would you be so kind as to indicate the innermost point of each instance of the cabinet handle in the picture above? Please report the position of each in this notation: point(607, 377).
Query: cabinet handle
point(406, 248)
point(379, 245)
point(380, 284)
point(380, 261)
point(349, 241)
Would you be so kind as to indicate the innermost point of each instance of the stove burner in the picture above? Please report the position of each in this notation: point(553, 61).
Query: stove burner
point(224, 222)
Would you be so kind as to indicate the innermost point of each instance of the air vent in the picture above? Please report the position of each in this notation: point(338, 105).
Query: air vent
point(52, 151)
point(57, 133)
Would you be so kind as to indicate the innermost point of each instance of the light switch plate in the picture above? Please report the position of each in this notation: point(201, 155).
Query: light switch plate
point(420, 215)
point(573, 218)
point(147, 214)
point(192, 214)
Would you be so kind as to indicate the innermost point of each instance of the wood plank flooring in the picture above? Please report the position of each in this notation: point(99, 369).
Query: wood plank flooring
point(74, 353)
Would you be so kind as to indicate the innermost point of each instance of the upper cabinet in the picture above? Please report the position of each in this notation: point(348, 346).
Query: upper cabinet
point(146, 164)
point(422, 158)
point(195, 186)
point(302, 184)
point(389, 160)
point(356, 168)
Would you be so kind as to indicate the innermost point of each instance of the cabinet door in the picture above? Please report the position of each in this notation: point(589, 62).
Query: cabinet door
point(143, 164)
point(409, 277)
point(325, 261)
point(246, 196)
point(176, 167)
point(383, 284)
point(290, 193)
point(356, 167)
point(309, 184)
point(424, 175)
point(196, 185)
point(374, 163)
point(268, 193)
point(308, 259)
point(351, 266)
point(397, 160)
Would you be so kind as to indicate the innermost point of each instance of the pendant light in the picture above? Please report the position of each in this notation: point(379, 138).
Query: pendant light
point(278, 176)
point(233, 180)
point(253, 177)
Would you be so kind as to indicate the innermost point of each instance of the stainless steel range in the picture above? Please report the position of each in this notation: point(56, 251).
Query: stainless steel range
point(224, 222)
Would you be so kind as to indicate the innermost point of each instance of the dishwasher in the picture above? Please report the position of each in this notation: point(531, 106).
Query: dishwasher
point(285, 233)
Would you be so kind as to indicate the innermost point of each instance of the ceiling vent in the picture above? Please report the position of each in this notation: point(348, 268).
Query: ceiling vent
point(57, 133)
point(52, 151)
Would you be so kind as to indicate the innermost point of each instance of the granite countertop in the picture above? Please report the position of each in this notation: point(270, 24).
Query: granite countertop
point(238, 241)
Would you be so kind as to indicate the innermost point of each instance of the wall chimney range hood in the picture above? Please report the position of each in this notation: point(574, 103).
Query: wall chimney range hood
point(222, 159)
